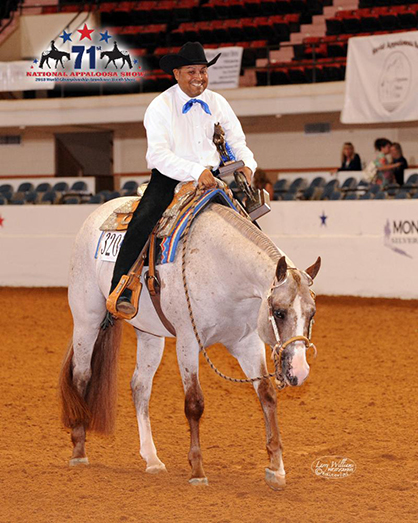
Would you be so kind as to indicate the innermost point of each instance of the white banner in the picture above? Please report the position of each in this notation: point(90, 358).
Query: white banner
point(13, 78)
point(225, 73)
point(382, 79)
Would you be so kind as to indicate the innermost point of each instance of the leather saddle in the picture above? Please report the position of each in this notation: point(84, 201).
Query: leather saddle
point(184, 199)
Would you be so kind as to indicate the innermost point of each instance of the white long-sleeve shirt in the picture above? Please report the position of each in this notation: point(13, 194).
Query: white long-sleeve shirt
point(181, 145)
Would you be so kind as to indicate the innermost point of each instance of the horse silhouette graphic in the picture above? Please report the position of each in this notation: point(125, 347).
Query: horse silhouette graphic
point(117, 54)
point(54, 54)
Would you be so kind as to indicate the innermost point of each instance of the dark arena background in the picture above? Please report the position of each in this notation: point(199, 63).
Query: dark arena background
point(310, 81)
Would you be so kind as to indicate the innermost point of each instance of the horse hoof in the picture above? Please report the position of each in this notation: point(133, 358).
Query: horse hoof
point(79, 461)
point(198, 481)
point(275, 480)
point(156, 469)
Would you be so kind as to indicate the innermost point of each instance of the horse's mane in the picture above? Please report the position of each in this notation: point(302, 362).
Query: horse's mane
point(248, 230)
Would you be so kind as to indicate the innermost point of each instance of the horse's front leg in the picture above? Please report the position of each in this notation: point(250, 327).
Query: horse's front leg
point(149, 353)
point(188, 359)
point(250, 353)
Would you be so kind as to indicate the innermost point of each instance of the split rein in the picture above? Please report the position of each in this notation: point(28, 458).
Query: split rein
point(277, 349)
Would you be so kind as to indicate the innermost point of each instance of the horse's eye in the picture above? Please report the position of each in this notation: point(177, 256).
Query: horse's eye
point(279, 314)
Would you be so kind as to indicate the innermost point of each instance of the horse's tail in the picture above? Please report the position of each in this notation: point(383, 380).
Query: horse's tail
point(97, 409)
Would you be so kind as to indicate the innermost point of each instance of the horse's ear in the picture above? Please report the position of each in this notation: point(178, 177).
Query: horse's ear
point(313, 270)
point(281, 269)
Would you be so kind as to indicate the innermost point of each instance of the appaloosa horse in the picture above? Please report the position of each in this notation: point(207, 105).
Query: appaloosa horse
point(232, 268)
point(117, 55)
point(55, 55)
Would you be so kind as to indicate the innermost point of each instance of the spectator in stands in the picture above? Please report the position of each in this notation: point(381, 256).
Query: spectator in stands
point(350, 160)
point(398, 157)
point(385, 169)
point(180, 123)
point(261, 181)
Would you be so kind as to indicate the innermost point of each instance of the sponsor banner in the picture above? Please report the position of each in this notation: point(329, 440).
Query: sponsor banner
point(87, 55)
point(367, 248)
point(381, 79)
point(13, 77)
point(225, 73)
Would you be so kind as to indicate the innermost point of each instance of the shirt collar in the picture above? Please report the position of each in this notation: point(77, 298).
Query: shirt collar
point(184, 97)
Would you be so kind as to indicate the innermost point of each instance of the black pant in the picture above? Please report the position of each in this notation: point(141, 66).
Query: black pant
point(154, 202)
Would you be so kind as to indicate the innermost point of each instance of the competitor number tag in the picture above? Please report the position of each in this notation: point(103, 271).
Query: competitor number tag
point(109, 245)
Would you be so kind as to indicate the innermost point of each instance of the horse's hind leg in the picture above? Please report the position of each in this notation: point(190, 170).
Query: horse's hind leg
point(88, 309)
point(149, 353)
point(84, 338)
point(250, 353)
point(188, 359)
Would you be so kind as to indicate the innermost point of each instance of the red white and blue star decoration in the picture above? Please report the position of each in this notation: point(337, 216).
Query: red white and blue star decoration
point(1, 221)
point(85, 32)
point(66, 37)
point(323, 219)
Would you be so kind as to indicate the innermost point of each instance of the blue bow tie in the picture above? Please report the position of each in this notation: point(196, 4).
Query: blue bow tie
point(188, 105)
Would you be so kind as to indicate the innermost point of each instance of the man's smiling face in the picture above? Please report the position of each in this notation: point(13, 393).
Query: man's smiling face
point(192, 79)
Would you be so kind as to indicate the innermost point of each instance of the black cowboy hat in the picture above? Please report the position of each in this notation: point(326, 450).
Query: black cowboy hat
point(192, 53)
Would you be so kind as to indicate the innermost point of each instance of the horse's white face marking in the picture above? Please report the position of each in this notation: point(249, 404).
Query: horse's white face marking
point(300, 367)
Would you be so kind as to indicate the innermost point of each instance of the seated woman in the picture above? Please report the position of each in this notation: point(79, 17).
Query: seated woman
point(261, 181)
point(385, 169)
point(397, 156)
point(350, 160)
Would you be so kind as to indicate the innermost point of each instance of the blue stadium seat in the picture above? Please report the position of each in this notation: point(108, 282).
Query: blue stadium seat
point(329, 188)
point(297, 185)
point(349, 184)
point(335, 195)
point(113, 195)
point(289, 197)
point(79, 186)
point(415, 196)
point(402, 195)
point(96, 198)
point(25, 187)
point(280, 187)
point(72, 200)
point(3, 201)
point(129, 188)
point(367, 196)
point(43, 187)
point(60, 187)
point(50, 197)
point(392, 189)
point(412, 179)
point(375, 188)
point(6, 188)
point(380, 195)
point(351, 196)
point(32, 197)
point(317, 182)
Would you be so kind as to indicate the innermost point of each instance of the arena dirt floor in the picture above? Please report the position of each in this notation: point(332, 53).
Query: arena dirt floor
point(359, 402)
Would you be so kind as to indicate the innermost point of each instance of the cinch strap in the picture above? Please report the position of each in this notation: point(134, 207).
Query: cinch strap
point(188, 105)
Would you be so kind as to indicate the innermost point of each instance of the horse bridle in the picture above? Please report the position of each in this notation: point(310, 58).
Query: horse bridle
point(279, 347)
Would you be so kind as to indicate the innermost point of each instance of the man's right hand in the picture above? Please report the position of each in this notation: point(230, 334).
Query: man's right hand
point(207, 180)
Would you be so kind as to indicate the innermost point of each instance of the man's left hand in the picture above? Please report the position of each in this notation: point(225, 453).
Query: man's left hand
point(247, 172)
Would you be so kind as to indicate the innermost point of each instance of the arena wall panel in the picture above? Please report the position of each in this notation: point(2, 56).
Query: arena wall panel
point(367, 248)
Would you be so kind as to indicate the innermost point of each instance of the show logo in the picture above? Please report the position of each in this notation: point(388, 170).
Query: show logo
point(395, 81)
point(400, 235)
point(86, 55)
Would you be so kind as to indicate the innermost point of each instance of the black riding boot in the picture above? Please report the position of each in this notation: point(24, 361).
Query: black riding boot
point(154, 202)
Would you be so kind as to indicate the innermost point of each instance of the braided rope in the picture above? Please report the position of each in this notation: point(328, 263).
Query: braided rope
point(277, 349)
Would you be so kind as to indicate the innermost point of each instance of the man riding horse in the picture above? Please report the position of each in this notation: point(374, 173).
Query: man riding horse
point(179, 124)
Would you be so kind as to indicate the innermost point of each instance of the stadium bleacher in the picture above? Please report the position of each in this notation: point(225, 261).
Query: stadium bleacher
point(285, 189)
